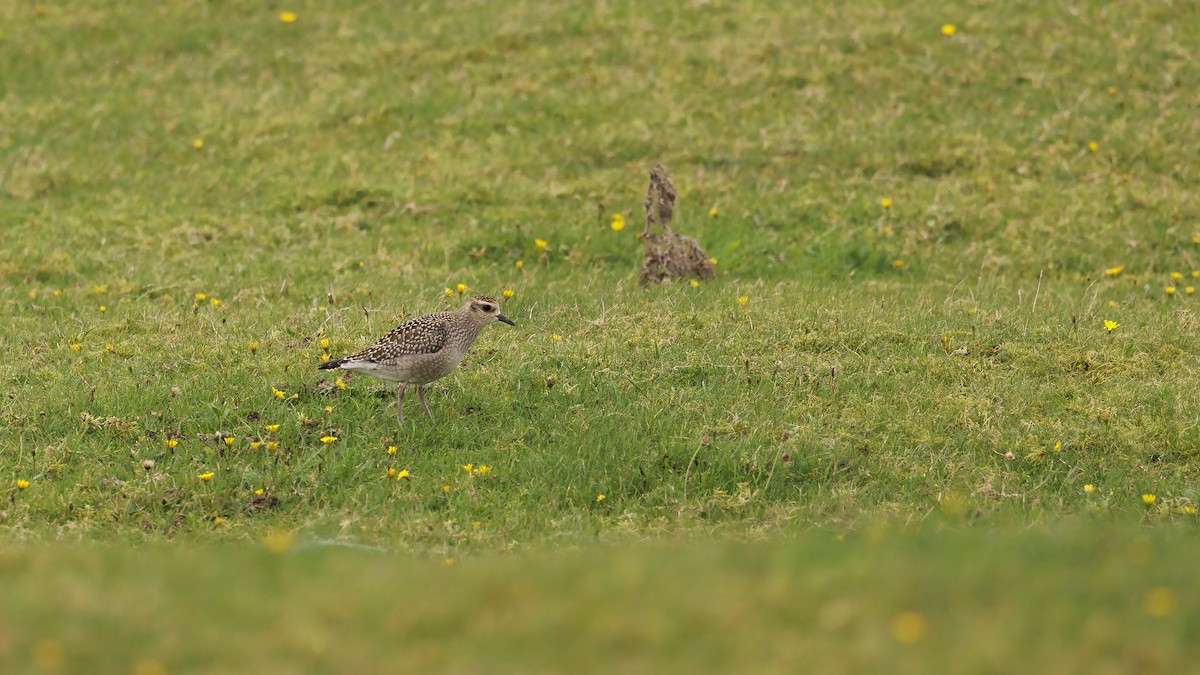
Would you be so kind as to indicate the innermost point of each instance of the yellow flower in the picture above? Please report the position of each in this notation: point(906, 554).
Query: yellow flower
point(33, 294)
point(402, 474)
point(201, 297)
point(618, 222)
point(1189, 509)
point(109, 348)
point(1149, 499)
point(328, 439)
point(272, 445)
point(468, 467)
point(198, 143)
point(228, 441)
point(218, 521)
point(100, 290)
point(1176, 276)
point(172, 443)
point(555, 336)
point(1115, 271)
point(391, 472)
point(599, 498)
point(483, 470)
point(1093, 146)
point(76, 346)
point(541, 244)
point(206, 476)
point(278, 394)
point(1112, 90)
point(898, 264)
point(445, 488)
point(287, 17)
point(279, 541)
point(254, 445)
point(1089, 489)
point(449, 292)
point(259, 491)
point(22, 484)
point(886, 202)
point(949, 29)
point(1196, 238)
point(742, 300)
point(328, 409)
point(1196, 274)
point(461, 288)
point(1110, 325)
point(272, 428)
point(391, 450)
point(712, 261)
point(1189, 290)
point(1058, 447)
point(216, 302)
point(448, 562)
point(103, 309)
point(1160, 602)
point(324, 343)
point(324, 358)
point(693, 283)
point(508, 293)
point(1170, 290)
point(253, 347)
point(520, 264)
point(339, 383)
point(908, 628)
point(57, 292)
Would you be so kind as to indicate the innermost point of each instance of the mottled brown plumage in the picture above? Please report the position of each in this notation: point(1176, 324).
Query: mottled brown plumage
point(423, 349)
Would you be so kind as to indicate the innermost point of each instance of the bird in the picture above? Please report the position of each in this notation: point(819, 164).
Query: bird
point(421, 350)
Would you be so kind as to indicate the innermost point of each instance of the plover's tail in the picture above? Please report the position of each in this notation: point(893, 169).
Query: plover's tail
point(330, 365)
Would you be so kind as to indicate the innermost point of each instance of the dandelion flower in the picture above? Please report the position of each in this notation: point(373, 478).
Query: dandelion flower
point(201, 297)
point(949, 29)
point(886, 202)
point(287, 17)
point(508, 294)
point(328, 439)
point(1189, 509)
point(1189, 290)
point(172, 443)
point(1149, 499)
point(742, 300)
point(76, 346)
point(340, 383)
point(1058, 447)
point(599, 498)
point(228, 441)
point(483, 470)
point(520, 264)
point(109, 348)
point(1176, 276)
point(1115, 271)
point(325, 357)
point(555, 336)
point(1111, 325)
point(1089, 489)
point(215, 302)
point(324, 343)
point(693, 283)
point(1160, 602)
point(218, 521)
point(618, 222)
point(1196, 274)
point(445, 488)
point(712, 261)
point(391, 472)
point(468, 467)
point(278, 394)
point(22, 484)
point(198, 143)
point(402, 474)
point(1170, 290)
point(279, 541)
point(712, 213)
point(100, 290)
point(449, 292)
point(540, 244)
point(1093, 146)
point(328, 409)
point(57, 292)
point(448, 562)
point(461, 288)
point(254, 445)
point(272, 445)
point(259, 492)
point(898, 264)
point(272, 428)
point(908, 628)
point(103, 309)
point(253, 347)
point(206, 476)
point(391, 450)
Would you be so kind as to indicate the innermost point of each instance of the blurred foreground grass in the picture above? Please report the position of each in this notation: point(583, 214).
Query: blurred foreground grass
point(1100, 597)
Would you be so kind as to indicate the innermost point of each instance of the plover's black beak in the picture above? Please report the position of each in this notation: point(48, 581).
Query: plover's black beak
point(505, 319)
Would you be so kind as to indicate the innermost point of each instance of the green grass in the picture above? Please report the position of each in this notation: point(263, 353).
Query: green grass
point(356, 163)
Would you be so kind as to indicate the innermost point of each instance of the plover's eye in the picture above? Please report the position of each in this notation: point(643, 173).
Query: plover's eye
point(487, 308)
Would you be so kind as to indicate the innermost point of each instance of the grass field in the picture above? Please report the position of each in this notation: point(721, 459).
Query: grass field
point(923, 215)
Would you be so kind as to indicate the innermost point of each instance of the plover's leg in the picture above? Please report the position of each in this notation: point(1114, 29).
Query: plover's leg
point(400, 402)
point(421, 396)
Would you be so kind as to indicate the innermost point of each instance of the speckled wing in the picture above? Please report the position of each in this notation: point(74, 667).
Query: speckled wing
point(422, 335)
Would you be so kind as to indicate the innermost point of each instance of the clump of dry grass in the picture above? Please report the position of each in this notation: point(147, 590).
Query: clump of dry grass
point(667, 253)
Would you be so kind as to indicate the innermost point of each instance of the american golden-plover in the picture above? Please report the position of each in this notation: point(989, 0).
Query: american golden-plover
point(423, 349)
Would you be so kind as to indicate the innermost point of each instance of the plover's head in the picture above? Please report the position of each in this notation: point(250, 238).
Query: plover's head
point(483, 309)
